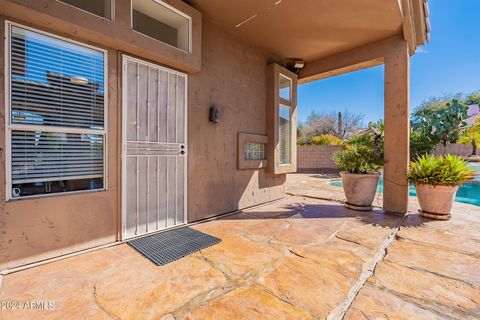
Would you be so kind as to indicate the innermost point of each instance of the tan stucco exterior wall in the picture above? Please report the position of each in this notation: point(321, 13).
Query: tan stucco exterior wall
point(117, 33)
point(233, 78)
point(35, 229)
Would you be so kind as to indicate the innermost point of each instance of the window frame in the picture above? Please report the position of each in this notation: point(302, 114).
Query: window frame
point(281, 75)
point(170, 7)
point(9, 126)
point(274, 102)
point(112, 10)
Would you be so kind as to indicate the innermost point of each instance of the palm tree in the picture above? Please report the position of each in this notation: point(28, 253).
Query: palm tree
point(375, 132)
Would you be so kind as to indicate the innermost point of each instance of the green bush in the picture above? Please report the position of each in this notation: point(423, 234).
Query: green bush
point(327, 139)
point(420, 144)
point(440, 170)
point(358, 158)
point(301, 141)
point(362, 139)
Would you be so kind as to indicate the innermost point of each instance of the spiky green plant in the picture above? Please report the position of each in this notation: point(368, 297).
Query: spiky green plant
point(358, 158)
point(440, 170)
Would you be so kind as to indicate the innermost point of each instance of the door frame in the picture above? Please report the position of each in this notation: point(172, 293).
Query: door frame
point(124, 59)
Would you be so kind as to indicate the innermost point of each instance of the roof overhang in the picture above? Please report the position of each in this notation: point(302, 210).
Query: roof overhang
point(315, 29)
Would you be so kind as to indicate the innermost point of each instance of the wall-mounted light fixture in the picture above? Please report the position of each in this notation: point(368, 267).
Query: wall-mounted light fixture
point(214, 114)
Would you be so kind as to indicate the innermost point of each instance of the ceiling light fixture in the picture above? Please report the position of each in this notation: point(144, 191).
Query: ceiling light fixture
point(298, 64)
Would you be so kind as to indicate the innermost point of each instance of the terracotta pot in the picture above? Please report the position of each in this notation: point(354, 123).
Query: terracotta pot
point(360, 189)
point(436, 200)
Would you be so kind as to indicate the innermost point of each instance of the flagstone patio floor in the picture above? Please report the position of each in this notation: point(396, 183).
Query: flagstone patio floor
point(297, 258)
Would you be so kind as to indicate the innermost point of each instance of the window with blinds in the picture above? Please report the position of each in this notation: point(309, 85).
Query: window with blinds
point(284, 134)
point(57, 115)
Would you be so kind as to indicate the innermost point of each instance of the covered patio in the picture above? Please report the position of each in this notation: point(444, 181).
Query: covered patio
point(297, 258)
point(226, 78)
point(349, 36)
point(280, 257)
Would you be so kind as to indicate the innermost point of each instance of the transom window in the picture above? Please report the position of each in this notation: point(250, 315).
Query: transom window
point(158, 20)
point(284, 87)
point(56, 125)
point(101, 8)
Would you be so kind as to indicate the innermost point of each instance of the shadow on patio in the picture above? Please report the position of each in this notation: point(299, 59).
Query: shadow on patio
point(329, 210)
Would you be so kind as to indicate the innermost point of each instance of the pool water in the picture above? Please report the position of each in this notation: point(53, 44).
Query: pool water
point(468, 193)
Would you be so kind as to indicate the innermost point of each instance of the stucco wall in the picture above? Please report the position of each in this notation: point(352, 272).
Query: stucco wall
point(316, 158)
point(39, 228)
point(458, 149)
point(233, 78)
point(116, 33)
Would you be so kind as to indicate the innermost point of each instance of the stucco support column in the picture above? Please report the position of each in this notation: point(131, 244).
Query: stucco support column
point(397, 127)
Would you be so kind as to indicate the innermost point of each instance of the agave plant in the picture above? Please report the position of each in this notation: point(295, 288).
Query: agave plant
point(440, 170)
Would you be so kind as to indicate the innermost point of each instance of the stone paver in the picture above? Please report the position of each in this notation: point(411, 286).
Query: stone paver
point(248, 303)
point(286, 260)
point(376, 304)
point(452, 297)
point(316, 285)
point(431, 270)
point(298, 258)
point(447, 263)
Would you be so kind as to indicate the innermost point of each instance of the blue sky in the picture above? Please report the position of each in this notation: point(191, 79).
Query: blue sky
point(449, 63)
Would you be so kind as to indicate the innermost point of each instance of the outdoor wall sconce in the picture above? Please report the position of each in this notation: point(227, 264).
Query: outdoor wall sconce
point(214, 114)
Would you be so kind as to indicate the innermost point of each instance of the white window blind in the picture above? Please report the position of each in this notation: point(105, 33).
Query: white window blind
point(50, 156)
point(285, 134)
point(57, 114)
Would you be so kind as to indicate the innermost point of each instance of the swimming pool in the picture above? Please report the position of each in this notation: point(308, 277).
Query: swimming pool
point(468, 193)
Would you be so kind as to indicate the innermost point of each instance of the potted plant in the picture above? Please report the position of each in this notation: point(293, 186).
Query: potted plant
point(359, 166)
point(436, 180)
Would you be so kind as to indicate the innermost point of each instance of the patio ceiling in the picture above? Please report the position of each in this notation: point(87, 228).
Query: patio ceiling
point(313, 29)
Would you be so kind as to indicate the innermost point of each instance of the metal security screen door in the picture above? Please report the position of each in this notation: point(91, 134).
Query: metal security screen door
point(154, 148)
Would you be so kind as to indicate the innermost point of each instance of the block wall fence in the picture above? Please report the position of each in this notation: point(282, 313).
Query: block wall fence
point(458, 149)
point(316, 158)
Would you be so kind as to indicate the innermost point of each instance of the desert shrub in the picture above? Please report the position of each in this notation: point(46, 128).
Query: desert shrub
point(362, 139)
point(327, 139)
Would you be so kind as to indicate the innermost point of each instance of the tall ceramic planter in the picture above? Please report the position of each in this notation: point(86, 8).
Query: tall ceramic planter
point(360, 190)
point(436, 201)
